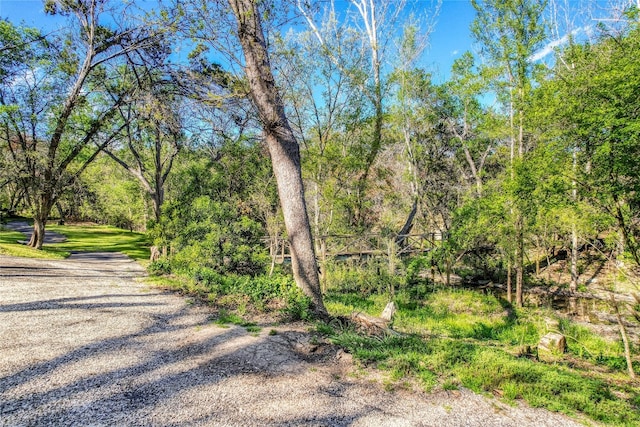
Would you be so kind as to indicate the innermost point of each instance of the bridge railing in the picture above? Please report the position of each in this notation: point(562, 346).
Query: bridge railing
point(336, 246)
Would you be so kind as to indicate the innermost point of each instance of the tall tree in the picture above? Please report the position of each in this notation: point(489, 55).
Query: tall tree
point(599, 113)
point(409, 111)
point(55, 118)
point(510, 32)
point(374, 22)
point(323, 104)
point(283, 147)
point(473, 125)
point(19, 46)
point(153, 137)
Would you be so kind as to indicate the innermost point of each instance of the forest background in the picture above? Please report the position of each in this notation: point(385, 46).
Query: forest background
point(518, 167)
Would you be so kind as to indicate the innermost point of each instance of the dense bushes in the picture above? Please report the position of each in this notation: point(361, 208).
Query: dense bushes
point(241, 293)
point(217, 211)
point(216, 235)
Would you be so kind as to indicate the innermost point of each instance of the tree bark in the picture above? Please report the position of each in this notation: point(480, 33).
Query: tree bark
point(625, 338)
point(283, 148)
point(630, 243)
point(39, 223)
point(573, 286)
point(42, 205)
point(401, 237)
point(519, 262)
point(37, 238)
point(509, 283)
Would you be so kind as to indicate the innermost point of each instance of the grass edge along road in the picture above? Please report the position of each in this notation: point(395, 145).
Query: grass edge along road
point(453, 338)
point(457, 337)
point(80, 238)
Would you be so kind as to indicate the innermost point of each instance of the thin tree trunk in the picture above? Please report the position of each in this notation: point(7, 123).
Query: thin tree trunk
point(273, 252)
point(628, 238)
point(62, 219)
point(520, 218)
point(448, 271)
point(625, 338)
point(475, 173)
point(367, 10)
point(392, 266)
point(519, 260)
point(283, 148)
point(573, 286)
point(509, 298)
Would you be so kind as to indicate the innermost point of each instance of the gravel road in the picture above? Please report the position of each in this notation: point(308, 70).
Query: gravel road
point(26, 229)
point(84, 342)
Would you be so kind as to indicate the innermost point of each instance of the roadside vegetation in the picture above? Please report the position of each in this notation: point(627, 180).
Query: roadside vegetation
point(477, 203)
point(276, 295)
point(451, 338)
point(441, 337)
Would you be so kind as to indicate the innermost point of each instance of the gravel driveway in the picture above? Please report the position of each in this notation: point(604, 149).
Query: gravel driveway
point(82, 342)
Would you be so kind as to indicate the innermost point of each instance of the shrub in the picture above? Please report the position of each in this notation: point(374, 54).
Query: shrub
point(160, 267)
point(366, 278)
point(215, 235)
point(262, 292)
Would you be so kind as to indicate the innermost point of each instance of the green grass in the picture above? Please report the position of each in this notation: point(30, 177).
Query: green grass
point(80, 239)
point(242, 294)
point(102, 238)
point(9, 246)
point(225, 318)
point(464, 338)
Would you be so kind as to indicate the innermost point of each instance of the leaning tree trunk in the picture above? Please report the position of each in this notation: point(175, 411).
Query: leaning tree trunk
point(283, 148)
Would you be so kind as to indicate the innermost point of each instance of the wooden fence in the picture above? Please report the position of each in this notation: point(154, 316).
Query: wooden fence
point(359, 246)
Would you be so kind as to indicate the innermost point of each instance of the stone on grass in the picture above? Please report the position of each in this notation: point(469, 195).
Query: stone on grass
point(389, 311)
point(551, 347)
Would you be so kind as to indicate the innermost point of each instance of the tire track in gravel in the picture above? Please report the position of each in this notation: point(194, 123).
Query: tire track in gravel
point(84, 342)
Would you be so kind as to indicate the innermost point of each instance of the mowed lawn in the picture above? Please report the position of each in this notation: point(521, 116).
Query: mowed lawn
point(80, 238)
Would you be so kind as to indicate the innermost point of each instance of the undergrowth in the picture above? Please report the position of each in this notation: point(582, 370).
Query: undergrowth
point(454, 338)
point(239, 293)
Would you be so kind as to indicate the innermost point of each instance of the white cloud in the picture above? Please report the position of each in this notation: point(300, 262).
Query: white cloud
point(455, 52)
point(550, 47)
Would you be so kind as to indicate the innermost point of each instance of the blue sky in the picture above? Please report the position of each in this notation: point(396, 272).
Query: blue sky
point(29, 11)
point(450, 38)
